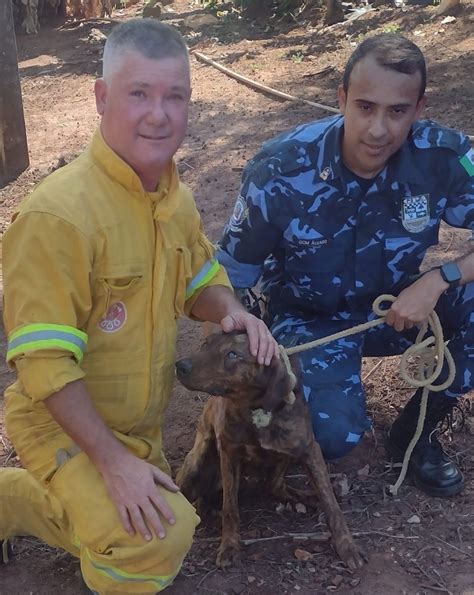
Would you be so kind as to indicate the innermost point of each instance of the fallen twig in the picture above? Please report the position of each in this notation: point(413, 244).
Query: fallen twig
point(376, 367)
point(453, 546)
point(205, 576)
point(254, 84)
point(323, 536)
point(435, 588)
point(79, 22)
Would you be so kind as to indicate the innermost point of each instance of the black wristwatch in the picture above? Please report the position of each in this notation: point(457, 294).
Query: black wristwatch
point(451, 274)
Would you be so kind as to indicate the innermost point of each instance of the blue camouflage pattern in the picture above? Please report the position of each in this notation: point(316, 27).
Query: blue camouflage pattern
point(322, 248)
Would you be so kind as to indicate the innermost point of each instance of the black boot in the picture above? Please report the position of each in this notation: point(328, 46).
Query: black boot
point(431, 470)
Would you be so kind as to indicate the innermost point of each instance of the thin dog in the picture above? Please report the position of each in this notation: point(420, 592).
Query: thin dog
point(256, 416)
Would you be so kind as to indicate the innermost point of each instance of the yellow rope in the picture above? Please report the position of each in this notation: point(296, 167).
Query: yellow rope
point(431, 351)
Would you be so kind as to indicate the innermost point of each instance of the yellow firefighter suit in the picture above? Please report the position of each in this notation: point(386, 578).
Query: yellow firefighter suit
point(96, 273)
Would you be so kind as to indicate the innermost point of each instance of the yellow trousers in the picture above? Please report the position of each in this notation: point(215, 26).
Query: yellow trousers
point(68, 507)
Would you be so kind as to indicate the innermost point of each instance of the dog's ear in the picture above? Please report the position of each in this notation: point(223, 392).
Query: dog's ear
point(279, 385)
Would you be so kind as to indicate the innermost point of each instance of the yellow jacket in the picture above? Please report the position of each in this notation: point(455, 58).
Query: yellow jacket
point(96, 273)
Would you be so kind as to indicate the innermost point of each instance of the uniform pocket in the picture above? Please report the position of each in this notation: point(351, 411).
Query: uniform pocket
point(119, 288)
point(118, 321)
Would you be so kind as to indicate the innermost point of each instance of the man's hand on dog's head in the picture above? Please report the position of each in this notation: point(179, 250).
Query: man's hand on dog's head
point(261, 342)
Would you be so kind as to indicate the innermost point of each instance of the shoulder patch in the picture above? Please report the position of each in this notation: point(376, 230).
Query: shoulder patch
point(467, 161)
point(239, 215)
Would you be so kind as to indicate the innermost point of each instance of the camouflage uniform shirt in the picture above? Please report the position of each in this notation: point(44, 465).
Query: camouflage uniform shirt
point(325, 246)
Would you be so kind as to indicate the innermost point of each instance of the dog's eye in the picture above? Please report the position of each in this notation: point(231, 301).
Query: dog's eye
point(231, 355)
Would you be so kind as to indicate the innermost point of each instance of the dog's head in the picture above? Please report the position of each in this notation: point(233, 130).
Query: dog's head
point(224, 366)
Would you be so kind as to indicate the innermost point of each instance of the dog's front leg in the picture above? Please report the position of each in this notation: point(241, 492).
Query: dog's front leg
point(229, 550)
point(342, 538)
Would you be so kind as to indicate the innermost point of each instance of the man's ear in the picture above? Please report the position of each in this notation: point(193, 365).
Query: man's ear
point(100, 92)
point(278, 386)
point(341, 98)
point(420, 106)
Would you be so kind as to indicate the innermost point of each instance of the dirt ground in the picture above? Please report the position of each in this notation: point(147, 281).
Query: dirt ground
point(413, 544)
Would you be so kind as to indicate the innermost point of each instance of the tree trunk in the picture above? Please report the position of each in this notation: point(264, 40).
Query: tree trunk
point(334, 12)
point(13, 146)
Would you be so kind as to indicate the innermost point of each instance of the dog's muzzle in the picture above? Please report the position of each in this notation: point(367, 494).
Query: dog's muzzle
point(184, 367)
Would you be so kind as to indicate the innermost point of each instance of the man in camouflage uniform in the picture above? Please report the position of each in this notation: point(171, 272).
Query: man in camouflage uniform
point(338, 211)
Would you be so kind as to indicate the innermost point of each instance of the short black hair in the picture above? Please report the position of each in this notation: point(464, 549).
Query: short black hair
point(391, 51)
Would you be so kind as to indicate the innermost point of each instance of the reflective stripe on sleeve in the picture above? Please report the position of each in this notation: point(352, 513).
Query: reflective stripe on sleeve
point(207, 272)
point(34, 337)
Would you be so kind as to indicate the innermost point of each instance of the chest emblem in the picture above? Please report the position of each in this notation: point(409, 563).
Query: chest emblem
point(416, 213)
point(115, 318)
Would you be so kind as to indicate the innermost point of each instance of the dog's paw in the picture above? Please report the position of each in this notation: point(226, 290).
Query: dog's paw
point(228, 555)
point(349, 553)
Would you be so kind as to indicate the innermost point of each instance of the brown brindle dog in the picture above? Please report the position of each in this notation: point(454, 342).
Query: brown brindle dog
point(257, 419)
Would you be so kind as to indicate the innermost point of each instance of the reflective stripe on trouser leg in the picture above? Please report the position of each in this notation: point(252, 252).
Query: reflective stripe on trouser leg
point(112, 561)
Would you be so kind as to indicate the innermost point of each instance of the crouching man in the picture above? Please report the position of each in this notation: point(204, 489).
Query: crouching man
point(99, 263)
point(338, 211)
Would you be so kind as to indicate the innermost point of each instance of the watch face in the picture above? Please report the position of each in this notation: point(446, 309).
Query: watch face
point(450, 272)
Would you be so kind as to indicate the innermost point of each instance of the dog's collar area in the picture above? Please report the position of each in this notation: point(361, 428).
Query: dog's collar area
point(261, 418)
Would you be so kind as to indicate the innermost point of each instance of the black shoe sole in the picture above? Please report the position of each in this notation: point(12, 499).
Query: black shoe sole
point(395, 454)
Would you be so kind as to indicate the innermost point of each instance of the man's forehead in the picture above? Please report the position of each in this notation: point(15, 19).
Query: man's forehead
point(372, 82)
point(136, 65)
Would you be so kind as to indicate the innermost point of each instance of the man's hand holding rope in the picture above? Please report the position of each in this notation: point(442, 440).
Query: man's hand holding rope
point(416, 302)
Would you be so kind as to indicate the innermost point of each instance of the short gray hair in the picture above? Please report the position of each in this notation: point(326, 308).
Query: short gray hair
point(149, 37)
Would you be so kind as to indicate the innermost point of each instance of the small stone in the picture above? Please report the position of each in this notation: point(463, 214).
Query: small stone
point(300, 507)
point(364, 472)
point(251, 579)
point(341, 486)
point(200, 20)
point(377, 515)
point(414, 520)
point(303, 555)
point(337, 580)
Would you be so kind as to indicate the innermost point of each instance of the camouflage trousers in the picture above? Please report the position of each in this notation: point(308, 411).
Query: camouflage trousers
point(331, 374)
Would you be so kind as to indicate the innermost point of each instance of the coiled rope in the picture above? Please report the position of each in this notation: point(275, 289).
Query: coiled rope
point(431, 351)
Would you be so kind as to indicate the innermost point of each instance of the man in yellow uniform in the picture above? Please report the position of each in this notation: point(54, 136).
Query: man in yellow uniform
point(99, 263)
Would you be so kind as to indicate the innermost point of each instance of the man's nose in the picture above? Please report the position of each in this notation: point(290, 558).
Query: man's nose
point(157, 113)
point(377, 126)
point(184, 366)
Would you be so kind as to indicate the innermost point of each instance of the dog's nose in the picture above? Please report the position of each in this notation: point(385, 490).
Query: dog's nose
point(184, 366)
